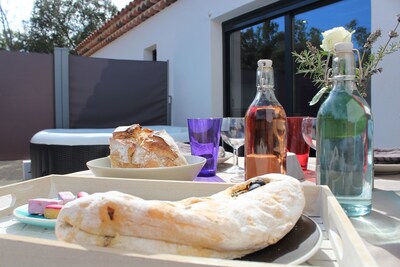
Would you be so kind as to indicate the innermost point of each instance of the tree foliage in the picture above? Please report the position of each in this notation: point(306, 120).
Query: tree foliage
point(265, 40)
point(9, 39)
point(60, 23)
point(262, 41)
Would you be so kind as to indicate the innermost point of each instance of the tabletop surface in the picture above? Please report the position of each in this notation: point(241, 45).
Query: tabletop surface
point(380, 230)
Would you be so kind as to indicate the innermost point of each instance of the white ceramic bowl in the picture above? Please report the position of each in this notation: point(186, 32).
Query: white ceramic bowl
point(102, 168)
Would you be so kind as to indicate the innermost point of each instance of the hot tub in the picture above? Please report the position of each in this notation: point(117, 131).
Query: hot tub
point(62, 151)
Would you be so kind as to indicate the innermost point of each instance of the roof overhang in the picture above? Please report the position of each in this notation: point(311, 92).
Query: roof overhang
point(133, 14)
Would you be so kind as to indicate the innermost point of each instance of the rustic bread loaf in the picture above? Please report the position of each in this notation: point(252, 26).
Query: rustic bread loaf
point(139, 147)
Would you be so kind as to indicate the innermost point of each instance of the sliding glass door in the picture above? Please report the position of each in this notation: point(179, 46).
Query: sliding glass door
point(274, 32)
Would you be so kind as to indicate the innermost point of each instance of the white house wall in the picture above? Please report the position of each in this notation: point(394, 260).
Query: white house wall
point(385, 93)
point(188, 35)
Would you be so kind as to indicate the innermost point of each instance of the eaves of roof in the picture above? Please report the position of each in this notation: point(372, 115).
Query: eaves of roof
point(133, 14)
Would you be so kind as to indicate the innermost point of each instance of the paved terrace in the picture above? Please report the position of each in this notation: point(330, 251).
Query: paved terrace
point(11, 172)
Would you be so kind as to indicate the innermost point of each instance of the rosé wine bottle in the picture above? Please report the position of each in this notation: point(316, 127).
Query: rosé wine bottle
point(265, 128)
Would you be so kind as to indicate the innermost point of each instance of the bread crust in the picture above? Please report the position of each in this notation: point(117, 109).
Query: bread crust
point(139, 147)
point(228, 224)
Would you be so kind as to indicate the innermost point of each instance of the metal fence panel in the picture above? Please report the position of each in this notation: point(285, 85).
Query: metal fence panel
point(97, 93)
point(106, 93)
point(26, 100)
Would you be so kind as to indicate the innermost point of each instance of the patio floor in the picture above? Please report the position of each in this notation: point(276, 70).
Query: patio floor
point(11, 172)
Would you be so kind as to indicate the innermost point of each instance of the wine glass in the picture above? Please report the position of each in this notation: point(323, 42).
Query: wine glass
point(308, 128)
point(232, 133)
point(309, 131)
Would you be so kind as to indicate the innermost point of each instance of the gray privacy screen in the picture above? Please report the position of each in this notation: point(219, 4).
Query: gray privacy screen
point(106, 93)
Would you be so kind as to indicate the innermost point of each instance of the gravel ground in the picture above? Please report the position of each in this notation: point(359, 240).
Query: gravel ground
point(11, 172)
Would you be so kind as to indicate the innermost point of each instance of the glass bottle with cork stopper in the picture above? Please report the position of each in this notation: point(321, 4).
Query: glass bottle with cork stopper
point(265, 127)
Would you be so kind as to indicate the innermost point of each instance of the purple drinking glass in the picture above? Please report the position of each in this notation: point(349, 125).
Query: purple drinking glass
point(204, 137)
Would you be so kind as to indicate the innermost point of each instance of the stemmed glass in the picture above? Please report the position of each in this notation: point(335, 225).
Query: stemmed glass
point(308, 128)
point(232, 133)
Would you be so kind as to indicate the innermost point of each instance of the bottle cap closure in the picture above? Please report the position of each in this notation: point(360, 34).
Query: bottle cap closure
point(344, 47)
point(264, 63)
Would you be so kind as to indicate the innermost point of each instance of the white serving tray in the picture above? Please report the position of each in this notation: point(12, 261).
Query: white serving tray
point(25, 245)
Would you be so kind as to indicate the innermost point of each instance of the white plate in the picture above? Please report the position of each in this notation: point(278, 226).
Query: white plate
point(102, 168)
point(386, 168)
point(21, 214)
point(227, 156)
point(185, 149)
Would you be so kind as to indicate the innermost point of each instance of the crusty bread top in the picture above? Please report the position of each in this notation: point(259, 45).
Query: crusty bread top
point(139, 147)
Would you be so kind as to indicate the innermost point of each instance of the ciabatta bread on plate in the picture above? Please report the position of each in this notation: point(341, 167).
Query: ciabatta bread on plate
point(243, 218)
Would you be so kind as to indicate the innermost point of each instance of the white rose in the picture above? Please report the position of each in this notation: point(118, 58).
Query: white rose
point(334, 36)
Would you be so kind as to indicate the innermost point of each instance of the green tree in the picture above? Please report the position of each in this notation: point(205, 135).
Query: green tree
point(361, 33)
point(9, 39)
point(64, 23)
point(261, 41)
point(300, 34)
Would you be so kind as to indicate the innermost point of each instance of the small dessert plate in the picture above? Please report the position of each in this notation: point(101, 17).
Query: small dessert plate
point(227, 156)
point(21, 214)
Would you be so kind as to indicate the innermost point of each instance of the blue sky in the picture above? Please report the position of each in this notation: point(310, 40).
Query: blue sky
point(339, 14)
point(334, 15)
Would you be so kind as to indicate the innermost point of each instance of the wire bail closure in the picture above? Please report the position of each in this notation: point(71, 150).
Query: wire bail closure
point(328, 71)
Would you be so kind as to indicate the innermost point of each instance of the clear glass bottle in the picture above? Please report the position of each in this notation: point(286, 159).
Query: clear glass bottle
point(344, 138)
point(265, 127)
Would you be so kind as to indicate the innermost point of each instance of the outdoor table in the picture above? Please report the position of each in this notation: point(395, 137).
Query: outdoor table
point(380, 230)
